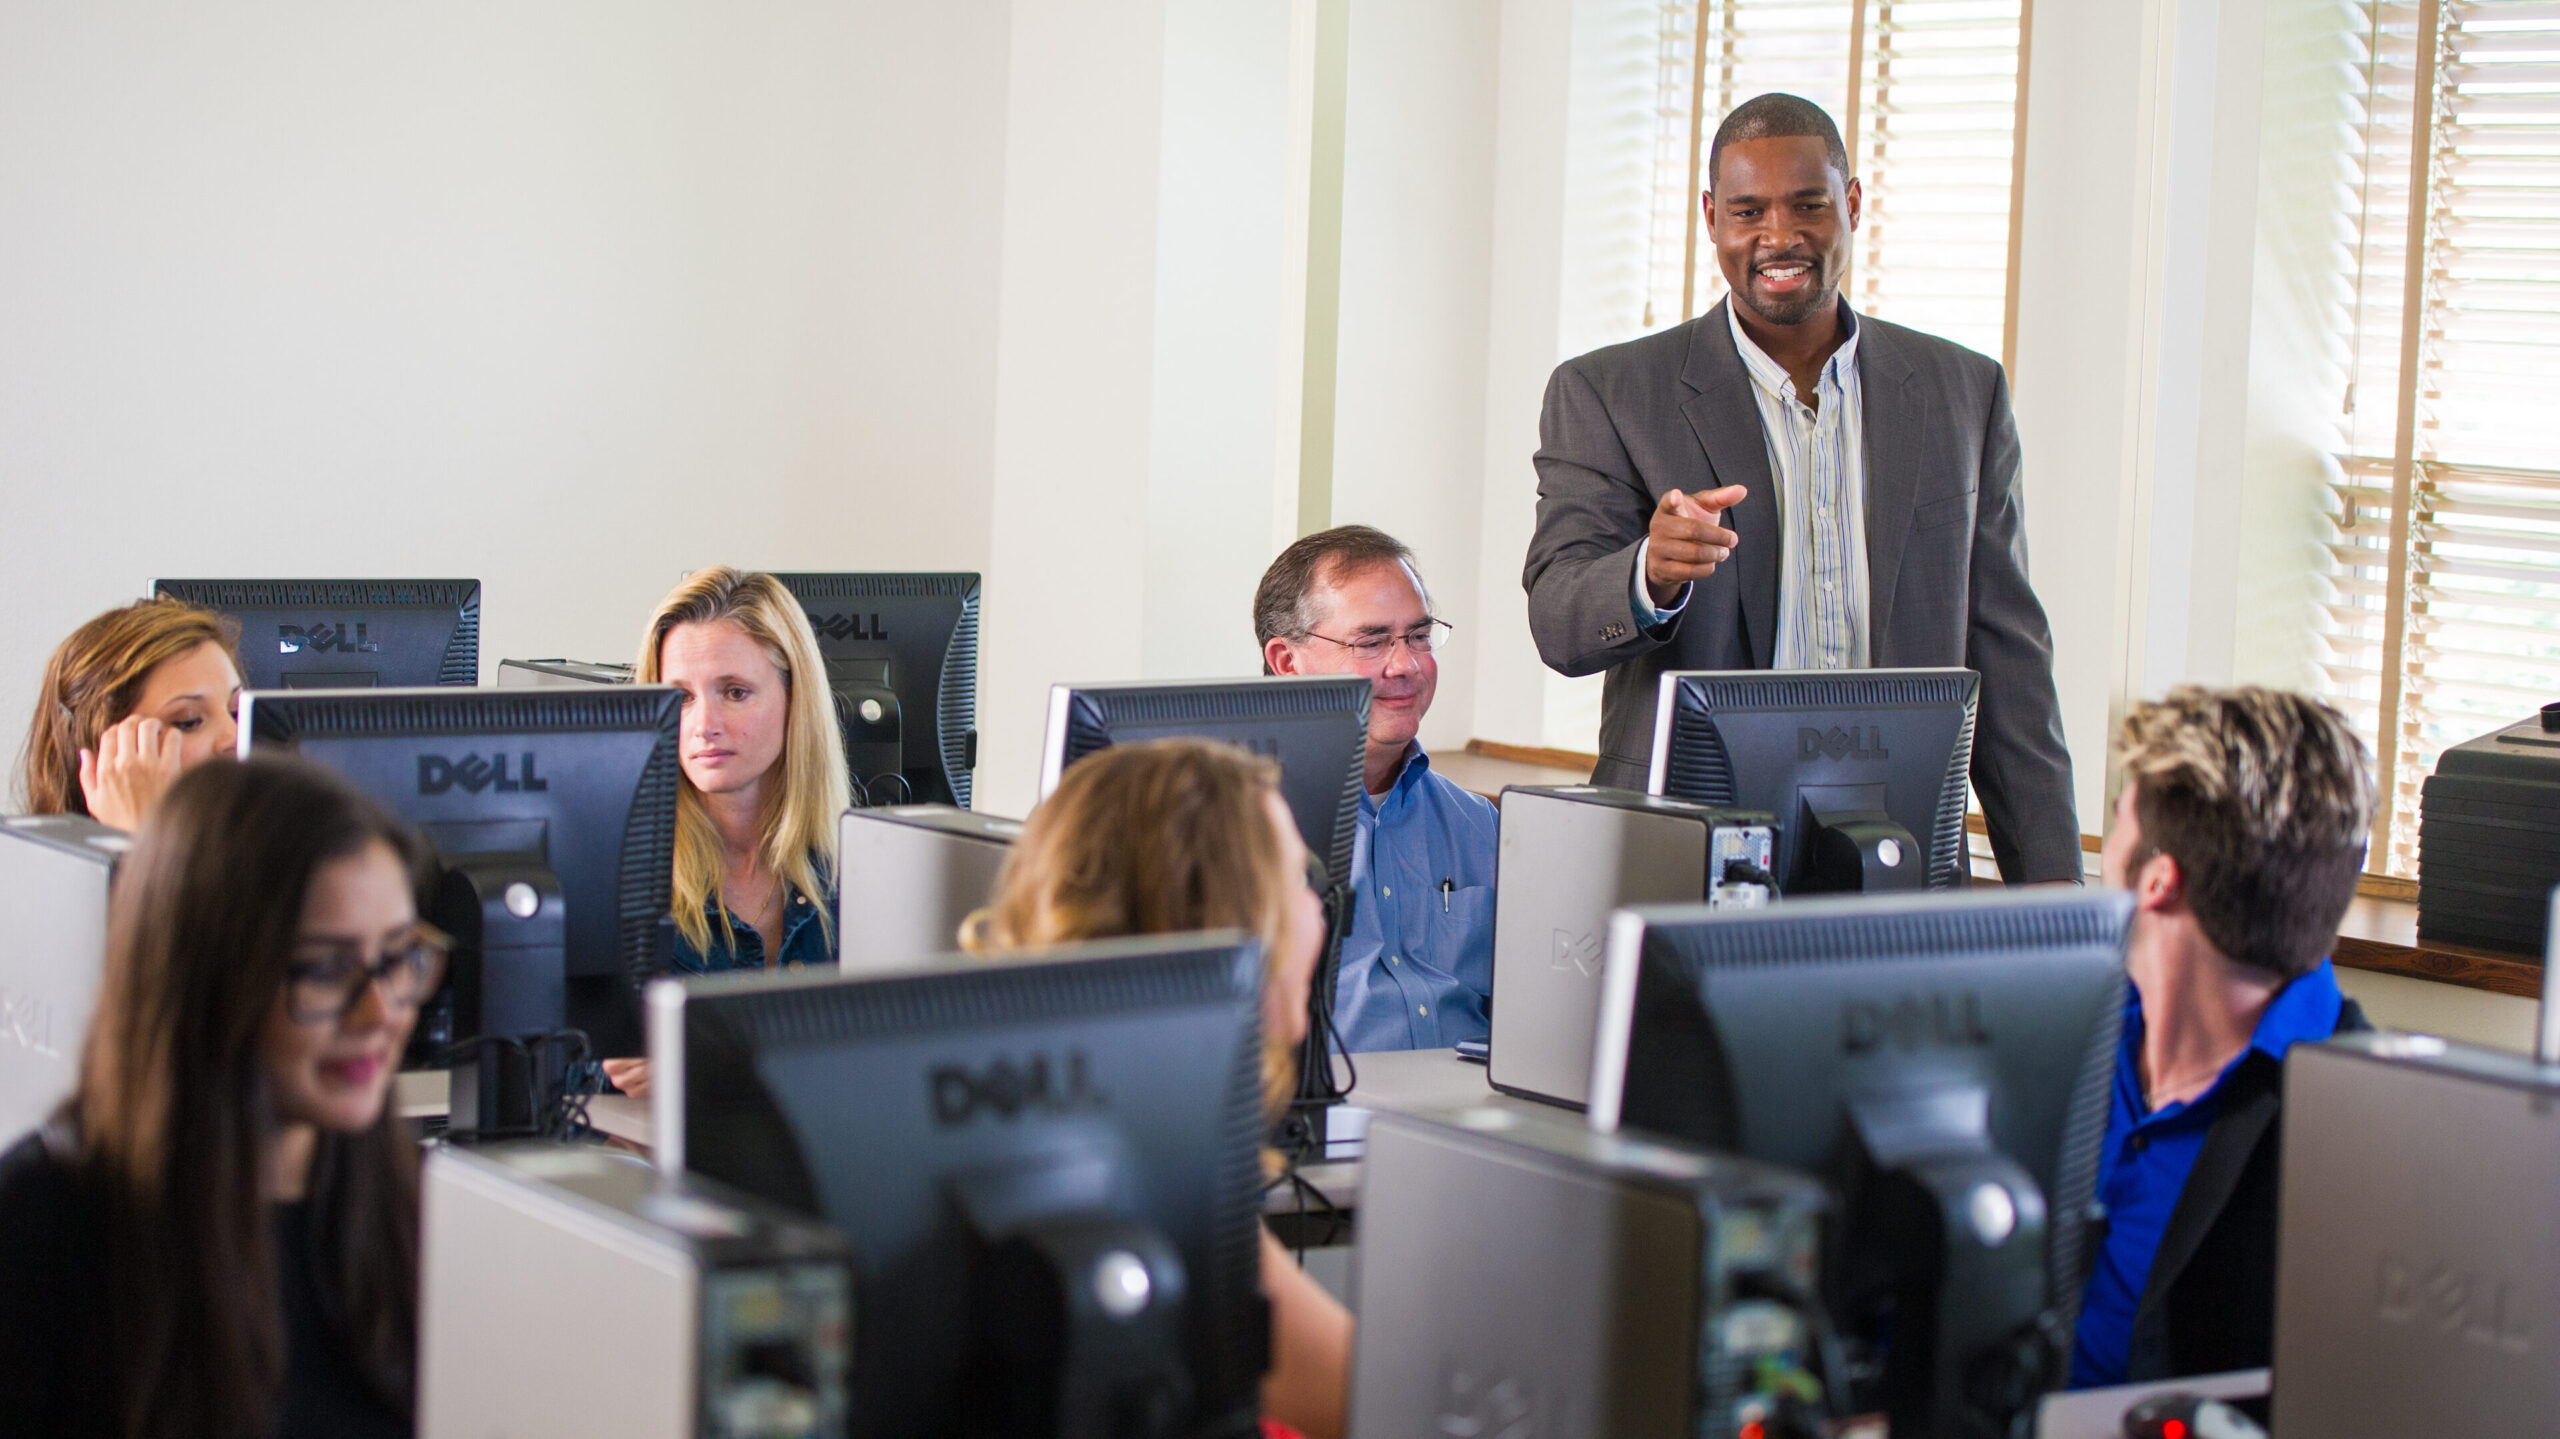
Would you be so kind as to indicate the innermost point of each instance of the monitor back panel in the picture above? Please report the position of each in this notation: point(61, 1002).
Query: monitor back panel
point(54, 874)
point(1564, 864)
point(346, 634)
point(2418, 1269)
point(908, 875)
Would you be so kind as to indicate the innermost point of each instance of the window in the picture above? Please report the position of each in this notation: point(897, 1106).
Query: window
point(1928, 95)
point(2440, 611)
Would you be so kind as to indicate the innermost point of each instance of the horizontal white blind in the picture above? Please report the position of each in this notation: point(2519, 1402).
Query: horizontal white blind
point(1931, 129)
point(2480, 534)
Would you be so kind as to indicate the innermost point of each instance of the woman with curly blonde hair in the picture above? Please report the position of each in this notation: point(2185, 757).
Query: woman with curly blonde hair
point(1181, 835)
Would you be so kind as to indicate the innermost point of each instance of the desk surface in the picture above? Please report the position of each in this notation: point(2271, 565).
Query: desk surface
point(2099, 1413)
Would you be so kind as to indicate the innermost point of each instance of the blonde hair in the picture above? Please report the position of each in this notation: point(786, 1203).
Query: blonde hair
point(1153, 838)
point(800, 813)
point(2263, 798)
point(92, 681)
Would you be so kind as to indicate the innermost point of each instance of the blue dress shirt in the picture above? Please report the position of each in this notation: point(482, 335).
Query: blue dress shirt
point(1417, 966)
point(2148, 1155)
point(805, 939)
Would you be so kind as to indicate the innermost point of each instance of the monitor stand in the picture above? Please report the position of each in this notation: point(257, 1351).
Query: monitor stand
point(509, 993)
point(1076, 1313)
point(1851, 845)
point(1301, 1135)
point(874, 726)
point(1961, 1230)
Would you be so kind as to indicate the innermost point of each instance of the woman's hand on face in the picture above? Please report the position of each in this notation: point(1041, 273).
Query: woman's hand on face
point(631, 1076)
point(136, 761)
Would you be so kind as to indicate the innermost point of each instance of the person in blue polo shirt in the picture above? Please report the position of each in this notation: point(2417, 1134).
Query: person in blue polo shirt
point(2241, 831)
point(1417, 966)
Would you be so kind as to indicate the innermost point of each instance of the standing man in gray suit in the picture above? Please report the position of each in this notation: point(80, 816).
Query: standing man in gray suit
point(1782, 483)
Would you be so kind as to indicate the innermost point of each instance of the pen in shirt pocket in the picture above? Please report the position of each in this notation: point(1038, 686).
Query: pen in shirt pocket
point(1445, 887)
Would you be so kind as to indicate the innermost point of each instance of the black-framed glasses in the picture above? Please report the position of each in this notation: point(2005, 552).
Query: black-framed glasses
point(1421, 640)
point(321, 991)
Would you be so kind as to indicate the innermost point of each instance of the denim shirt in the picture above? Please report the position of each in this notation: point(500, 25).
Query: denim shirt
point(806, 940)
point(1417, 966)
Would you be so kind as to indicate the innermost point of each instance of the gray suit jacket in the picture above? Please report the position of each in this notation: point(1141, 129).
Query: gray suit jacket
point(1946, 551)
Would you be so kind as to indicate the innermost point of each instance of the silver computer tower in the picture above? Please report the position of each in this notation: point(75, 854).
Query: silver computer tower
point(54, 875)
point(521, 674)
point(1570, 855)
point(906, 875)
point(1520, 1274)
point(565, 1289)
point(2418, 1254)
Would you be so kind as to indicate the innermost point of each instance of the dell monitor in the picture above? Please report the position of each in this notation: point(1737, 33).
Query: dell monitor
point(1048, 1165)
point(346, 634)
point(1943, 1062)
point(1316, 728)
point(554, 813)
point(1864, 769)
point(56, 871)
point(901, 652)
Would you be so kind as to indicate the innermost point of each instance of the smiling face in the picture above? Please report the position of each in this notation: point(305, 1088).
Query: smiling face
point(737, 705)
point(196, 693)
point(336, 1073)
point(1781, 218)
point(1374, 601)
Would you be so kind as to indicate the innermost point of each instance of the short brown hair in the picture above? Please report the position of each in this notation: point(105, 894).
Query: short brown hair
point(1153, 838)
point(92, 681)
point(1280, 601)
point(2263, 797)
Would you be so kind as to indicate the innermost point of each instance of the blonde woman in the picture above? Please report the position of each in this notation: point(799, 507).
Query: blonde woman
point(1183, 835)
point(764, 780)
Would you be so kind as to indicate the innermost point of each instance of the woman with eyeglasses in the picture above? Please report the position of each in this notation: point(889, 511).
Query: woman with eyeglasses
point(217, 1234)
point(1183, 834)
point(764, 780)
point(130, 699)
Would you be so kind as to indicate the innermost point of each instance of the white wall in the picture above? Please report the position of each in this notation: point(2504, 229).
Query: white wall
point(565, 296)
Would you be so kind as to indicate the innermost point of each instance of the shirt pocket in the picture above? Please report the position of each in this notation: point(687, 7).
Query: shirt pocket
point(1462, 936)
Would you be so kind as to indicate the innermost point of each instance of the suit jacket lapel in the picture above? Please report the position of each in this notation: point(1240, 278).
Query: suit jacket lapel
point(2248, 1109)
point(1896, 425)
point(1727, 421)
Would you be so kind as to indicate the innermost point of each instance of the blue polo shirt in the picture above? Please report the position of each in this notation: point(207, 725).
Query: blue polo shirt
point(1417, 966)
point(2148, 1155)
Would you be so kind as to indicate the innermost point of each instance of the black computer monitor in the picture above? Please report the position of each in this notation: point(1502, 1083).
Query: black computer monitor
point(346, 634)
point(1943, 1062)
point(1864, 769)
point(1048, 1165)
point(1315, 726)
point(902, 654)
point(554, 812)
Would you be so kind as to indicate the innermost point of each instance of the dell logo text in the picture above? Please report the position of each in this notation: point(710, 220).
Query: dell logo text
point(27, 1022)
point(323, 639)
point(1915, 1021)
point(2478, 1309)
point(1484, 1404)
point(1839, 743)
point(1576, 951)
point(1008, 1088)
point(438, 775)
point(849, 627)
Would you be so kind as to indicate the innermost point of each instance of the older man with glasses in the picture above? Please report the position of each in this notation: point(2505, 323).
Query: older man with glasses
point(1417, 966)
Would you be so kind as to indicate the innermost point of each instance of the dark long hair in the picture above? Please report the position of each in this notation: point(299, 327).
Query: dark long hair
point(173, 1109)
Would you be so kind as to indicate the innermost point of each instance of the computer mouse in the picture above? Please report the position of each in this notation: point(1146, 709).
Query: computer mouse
point(2188, 1416)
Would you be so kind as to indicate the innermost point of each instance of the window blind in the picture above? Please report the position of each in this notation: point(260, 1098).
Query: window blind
point(2441, 615)
point(1927, 94)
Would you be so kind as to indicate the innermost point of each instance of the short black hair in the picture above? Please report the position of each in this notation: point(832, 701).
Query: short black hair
point(1778, 116)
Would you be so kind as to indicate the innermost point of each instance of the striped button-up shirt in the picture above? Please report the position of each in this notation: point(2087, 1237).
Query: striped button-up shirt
point(1817, 457)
